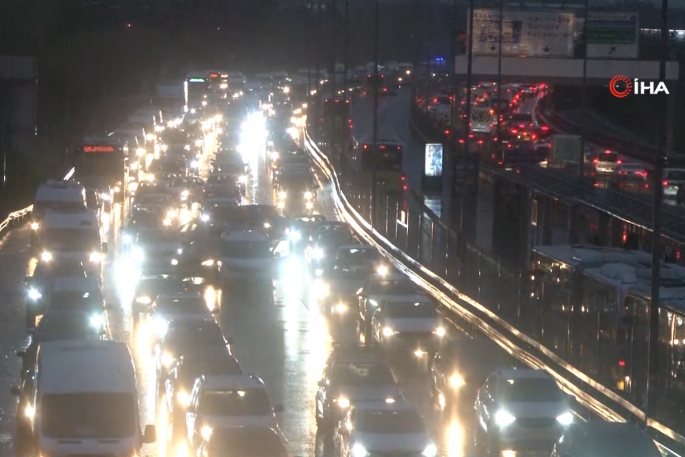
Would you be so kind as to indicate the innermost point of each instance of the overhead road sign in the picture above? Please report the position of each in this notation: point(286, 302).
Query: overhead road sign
point(613, 35)
point(523, 34)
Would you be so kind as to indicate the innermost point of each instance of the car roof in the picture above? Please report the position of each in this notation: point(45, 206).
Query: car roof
point(244, 381)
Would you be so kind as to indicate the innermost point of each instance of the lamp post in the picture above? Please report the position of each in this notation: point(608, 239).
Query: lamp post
point(499, 78)
point(309, 56)
point(467, 127)
point(653, 360)
point(376, 32)
point(583, 121)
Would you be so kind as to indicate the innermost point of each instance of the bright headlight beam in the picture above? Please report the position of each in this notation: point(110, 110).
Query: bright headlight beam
point(503, 418)
point(565, 419)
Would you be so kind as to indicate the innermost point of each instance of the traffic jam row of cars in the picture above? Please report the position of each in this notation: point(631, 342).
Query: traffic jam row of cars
point(192, 225)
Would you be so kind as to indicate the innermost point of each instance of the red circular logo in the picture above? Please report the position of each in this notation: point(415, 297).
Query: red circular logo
point(620, 86)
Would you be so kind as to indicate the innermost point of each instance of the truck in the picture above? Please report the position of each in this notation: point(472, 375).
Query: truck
point(482, 119)
point(564, 150)
point(102, 164)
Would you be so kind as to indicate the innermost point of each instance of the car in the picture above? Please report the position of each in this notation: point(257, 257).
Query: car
point(185, 305)
point(184, 335)
point(606, 161)
point(195, 362)
point(246, 255)
point(228, 401)
point(352, 374)
point(350, 270)
point(301, 230)
point(632, 177)
point(85, 300)
point(608, 439)
point(243, 442)
point(156, 248)
point(383, 288)
point(413, 326)
point(187, 190)
point(264, 218)
point(520, 410)
point(673, 180)
point(390, 427)
point(150, 287)
point(460, 368)
point(325, 242)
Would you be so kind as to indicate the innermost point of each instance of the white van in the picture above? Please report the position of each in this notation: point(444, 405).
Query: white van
point(58, 195)
point(246, 254)
point(86, 400)
point(72, 234)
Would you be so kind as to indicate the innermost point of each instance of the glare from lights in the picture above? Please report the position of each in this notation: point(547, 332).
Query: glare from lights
point(343, 402)
point(46, 256)
point(34, 294)
point(382, 270)
point(35, 225)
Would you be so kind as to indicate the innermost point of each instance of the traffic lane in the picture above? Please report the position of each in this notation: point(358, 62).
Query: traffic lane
point(14, 266)
point(393, 122)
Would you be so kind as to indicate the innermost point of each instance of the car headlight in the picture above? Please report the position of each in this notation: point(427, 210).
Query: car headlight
point(105, 196)
point(204, 218)
point(242, 179)
point(167, 360)
point(309, 205)
point(183, 398)
point(294, 235)
point(97, 321)
point(317, 254)
point(282, 194)
point(171, 213)
point(185, 194)
point(343, 402)
point(35, 225)
point(138, 253)
point(206, 432)
point(430, 451)
point(308, 195)
point(456, 381)
point(34, 294)
point(174, 262)
point(565, 419)
point(208, 263)
point(160, 326)
point(199, 143)
point(46, 256)
point(503, 418)
point(359, 451)
point(143, 300)
point(194, 164)
point(382, 270)
point(267, 225)
point(179, 251)
point(127, 239)
point(95, 257)
point(440, 331)
point(340, 308)
point(387, 331)
point(280, 205)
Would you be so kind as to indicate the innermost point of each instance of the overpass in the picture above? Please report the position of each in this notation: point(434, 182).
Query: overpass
point(560, 71)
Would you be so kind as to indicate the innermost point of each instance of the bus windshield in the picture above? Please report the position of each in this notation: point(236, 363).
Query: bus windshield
point(71, 239)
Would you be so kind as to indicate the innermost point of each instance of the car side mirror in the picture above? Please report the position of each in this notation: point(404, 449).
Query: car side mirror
point(278, 409)
point(16, 391)
point(150, 434)
point(104, 248)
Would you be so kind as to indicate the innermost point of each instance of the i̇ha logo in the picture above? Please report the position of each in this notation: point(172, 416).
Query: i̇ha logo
point(621, 86)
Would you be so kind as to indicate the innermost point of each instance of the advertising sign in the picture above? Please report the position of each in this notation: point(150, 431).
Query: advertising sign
point(612, 35)
point(90, 149)
point(524, 33)
point(433, 160)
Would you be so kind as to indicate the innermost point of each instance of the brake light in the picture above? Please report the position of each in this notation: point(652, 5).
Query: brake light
point(522, 126)
point(665, 183)
point(435, 100)
point(382, 146)
point(404, 177)
point(595, 160)
point(621, 363)
point(619, 161)
point(480, 141)
point(399, 148)
point(366, 146)
point(608, 151)
point(470, 135)
point(447, 131)
point(641, 173)
point(545, 128)
point(514, 131)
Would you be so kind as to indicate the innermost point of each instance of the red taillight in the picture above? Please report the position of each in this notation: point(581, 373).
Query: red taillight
point(621, 363)
point(404, 187)
point(366, 146)
point(619, 161)
point(514, 131)
point(608, 151)
point(470, 135)
point(382, 146)
point(435, 100)
point(480, 141)
point(595, 160)
point(404, 178)
point(522, 126)
point(665, 183)
point(545, 128)
point(447, 132)
point(461, 141)
point(596, 184)
point(499, 162)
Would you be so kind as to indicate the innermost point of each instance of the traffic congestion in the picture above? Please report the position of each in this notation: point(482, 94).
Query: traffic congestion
point(193, 292)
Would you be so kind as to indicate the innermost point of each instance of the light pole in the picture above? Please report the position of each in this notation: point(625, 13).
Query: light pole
point(583, 121)
point(499, 79)
point(653, 361)
point(467, 128)
point(309, 57)
point(346, 45)
point(376, 32)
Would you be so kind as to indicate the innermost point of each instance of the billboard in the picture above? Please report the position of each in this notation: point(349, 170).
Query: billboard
point(612, 35)
point(433, 160)
point(524, 33)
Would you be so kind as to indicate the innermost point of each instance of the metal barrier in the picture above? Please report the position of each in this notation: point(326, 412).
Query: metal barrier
point(16, 218)
point(494, 298)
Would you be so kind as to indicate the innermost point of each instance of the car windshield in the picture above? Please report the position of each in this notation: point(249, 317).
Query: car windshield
point(254, 212)
point(358, 257)
point(246, 249)
point(401, 287)
point(68, 239)
point(410, 310)
point(153, 200)
point(206, 360)
point(74, 301)
point(530, 390)
point(240, 442)
point(159, 285)
point(65, 325)
point(190, 305)
point(198, 333)
point(358, 374)
point(157, 236)
point(608, 157)
point(676, 175)
point(405, 421)
point(88, 415)
point(248, 402)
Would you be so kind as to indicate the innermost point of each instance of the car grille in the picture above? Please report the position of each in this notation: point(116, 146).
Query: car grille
point(538, 422)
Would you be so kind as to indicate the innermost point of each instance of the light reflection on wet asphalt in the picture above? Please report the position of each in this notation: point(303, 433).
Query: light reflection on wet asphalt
point(278, 335)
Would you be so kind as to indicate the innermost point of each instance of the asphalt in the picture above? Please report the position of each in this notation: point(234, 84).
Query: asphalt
point(283, 339)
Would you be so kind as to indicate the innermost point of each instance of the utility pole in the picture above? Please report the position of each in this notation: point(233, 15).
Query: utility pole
point(376, 33)
point(346, 44)
point(332, 143)
point(309, 56)
point(583, 121)
point(653, 363)
point(467, 129)
point(499, 80)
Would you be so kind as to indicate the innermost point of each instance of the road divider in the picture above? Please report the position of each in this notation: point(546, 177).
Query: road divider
point(18, 218)
point(589, 393)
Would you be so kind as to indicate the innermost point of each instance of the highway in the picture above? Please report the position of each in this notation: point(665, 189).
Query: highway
point(283, 339)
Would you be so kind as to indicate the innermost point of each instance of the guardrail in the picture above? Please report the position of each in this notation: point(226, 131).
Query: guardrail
point(589, 393)
point(16, 218)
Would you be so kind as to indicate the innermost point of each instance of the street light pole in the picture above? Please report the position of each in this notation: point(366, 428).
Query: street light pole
point(653, 361)
point(467, 128)
point(376, 32)
point(499, 79)
point(309, 57)
point(346, 44)
point(583, 121)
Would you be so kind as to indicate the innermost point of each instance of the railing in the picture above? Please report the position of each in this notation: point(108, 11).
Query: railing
point(17, 218)
point(495, 298)
point(633, 208)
